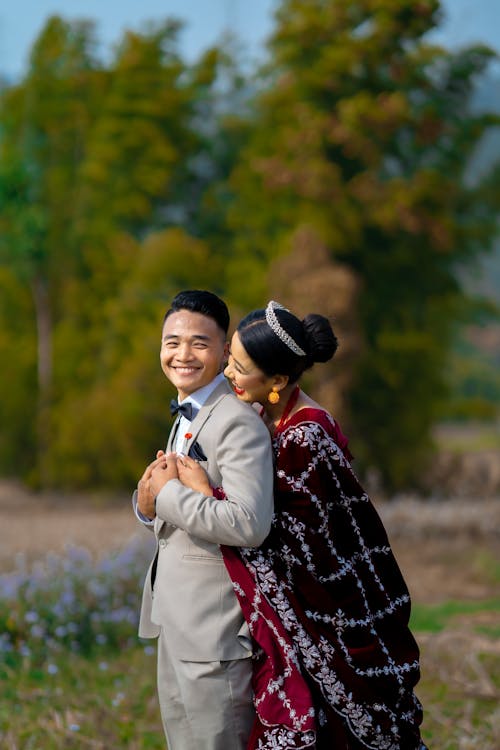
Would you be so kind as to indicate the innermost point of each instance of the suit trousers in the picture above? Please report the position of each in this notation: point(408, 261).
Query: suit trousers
point(204, 705)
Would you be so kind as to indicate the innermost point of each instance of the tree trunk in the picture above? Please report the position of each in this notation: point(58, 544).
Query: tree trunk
point(44, 364)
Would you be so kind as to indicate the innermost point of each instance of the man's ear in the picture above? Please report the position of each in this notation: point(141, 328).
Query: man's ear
point(226, 354)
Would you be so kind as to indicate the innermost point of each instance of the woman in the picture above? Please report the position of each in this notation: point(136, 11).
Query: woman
point(335, 663)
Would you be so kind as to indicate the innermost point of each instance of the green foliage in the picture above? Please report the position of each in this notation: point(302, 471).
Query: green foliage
point(106, 701)
point(72, 604)
point(73, 673)
point(43, 131)
point(109, 701)
point(122, 182)
point(363, 136)
point(18, 353)
point(474, 376)
point(125, 418)
point(435, 618)
point(139, 136)
point(96, 162)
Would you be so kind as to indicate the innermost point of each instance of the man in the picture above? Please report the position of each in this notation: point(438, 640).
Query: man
point(204, 648)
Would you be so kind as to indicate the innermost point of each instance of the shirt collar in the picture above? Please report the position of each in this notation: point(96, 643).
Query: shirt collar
point(198, 398)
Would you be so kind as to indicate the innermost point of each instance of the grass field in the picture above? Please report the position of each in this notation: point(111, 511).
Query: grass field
point(109, 701)
point(94, 685)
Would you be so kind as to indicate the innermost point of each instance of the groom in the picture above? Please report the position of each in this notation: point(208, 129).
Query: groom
point(204, 648)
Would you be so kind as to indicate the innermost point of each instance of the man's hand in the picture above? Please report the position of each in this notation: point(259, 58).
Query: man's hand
point(163, 472)
point(145, 493)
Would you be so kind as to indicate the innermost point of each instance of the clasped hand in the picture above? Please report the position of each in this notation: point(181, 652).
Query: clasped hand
point(165, 467)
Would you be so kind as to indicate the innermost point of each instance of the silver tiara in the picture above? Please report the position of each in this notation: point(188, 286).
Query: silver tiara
point(274, 325)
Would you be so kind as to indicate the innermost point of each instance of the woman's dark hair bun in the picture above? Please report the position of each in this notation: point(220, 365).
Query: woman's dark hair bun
point(321, 340)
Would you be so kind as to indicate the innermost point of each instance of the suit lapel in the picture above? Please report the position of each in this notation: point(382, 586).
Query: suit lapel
point(173, 435)
point(222, 390)
point(219, 393)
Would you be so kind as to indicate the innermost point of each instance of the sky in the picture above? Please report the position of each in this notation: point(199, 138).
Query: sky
point(467, 21)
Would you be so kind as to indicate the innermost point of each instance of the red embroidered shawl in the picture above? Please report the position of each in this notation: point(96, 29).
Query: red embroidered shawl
point(335, 664)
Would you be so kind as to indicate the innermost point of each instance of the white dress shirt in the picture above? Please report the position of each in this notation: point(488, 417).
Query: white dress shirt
point(182, 425)
point(197, 399)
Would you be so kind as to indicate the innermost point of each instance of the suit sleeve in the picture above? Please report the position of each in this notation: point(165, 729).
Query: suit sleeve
point(244, 460)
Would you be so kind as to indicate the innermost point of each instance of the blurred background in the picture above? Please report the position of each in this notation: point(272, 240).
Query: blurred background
point(340, 156)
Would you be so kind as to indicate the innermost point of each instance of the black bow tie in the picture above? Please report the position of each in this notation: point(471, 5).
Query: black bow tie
point(187, 410)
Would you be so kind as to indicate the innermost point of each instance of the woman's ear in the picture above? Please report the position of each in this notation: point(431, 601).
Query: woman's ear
point(280, 381)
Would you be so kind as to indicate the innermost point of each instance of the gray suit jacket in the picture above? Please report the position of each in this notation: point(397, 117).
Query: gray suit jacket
point(193, 598)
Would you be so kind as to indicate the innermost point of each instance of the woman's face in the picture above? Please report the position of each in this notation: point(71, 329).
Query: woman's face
point(249, 382)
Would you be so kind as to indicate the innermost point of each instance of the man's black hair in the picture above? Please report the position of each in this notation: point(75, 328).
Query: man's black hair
point(203, 302)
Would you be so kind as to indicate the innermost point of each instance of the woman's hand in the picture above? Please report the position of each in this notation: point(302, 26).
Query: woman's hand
point(192, 475)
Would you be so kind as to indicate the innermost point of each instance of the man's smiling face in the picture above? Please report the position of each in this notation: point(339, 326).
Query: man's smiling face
point(193, 350)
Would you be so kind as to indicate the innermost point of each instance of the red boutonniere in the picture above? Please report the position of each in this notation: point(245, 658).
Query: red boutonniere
point(187, 437)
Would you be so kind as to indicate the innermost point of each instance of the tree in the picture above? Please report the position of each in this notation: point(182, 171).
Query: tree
point(44, 121)
point(18, 381)
point(336, 182)
point(106, 429)
point(98, 165)
point(362, 137)
point(139, 189)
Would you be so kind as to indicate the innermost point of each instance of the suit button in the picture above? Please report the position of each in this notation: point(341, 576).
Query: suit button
point(162, 543)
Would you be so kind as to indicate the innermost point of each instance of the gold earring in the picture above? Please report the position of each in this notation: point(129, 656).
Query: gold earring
point(273, 396)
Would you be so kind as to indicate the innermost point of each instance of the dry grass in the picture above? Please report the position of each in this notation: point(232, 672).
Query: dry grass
point(460, 688)
point(448, 551)
point(38, 524)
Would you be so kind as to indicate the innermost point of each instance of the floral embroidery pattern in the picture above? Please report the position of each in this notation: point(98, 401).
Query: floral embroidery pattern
point(325, 589)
